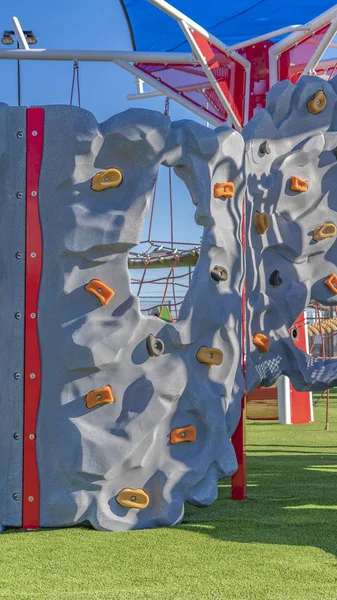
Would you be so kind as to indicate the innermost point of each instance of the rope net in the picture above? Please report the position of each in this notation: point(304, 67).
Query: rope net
point(161, 270)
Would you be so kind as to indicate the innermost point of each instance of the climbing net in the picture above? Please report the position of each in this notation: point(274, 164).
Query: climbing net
point(161, 270)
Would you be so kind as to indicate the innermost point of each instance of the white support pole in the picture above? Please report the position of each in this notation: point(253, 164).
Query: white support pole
point(100, 56)
point(179, 16)
point(295, 38)
point(214, 83)
point(169, 92)
point(182, 88)
point(321, 49)
point(19, 34)
point(268, 36)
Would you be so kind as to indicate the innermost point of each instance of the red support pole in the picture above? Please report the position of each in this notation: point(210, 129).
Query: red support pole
point(238, 441)
point(32, 385)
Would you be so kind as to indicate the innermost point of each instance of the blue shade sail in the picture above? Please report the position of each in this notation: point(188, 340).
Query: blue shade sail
point(231, 22)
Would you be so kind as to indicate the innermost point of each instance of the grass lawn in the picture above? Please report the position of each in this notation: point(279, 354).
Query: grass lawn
point(280, 544)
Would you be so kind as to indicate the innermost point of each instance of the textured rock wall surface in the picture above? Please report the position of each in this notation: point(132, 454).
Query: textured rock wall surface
point(117, 464)
point(299, 124)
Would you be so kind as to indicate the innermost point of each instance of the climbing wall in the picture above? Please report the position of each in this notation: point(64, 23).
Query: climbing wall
point(291, 150)
point(110, 417)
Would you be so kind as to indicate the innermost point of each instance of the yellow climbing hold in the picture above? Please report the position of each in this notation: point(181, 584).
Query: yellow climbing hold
point(110, 178)
point(100, 290)
point(261, 342)
point(331, 282)
point(101, 396)
point(327, 230)
point(224, 190)
point(261, 223)
point(317, 103)
point(209, 356)
point(299, 185)
point(133, 498)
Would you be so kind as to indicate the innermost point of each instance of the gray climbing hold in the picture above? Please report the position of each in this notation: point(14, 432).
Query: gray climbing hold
point(154, 346)
point(275, 278)
point(219, 273)
point(265, 148)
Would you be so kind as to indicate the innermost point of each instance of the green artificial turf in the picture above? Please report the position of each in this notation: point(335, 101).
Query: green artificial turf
point(279, 544)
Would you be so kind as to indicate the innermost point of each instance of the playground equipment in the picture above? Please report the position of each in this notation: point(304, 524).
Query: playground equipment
point(116, 418)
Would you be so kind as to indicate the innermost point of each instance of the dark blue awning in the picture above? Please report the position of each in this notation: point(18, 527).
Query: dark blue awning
point(231, 22)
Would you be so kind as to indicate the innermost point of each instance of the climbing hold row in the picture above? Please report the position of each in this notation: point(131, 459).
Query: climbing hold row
point(100, 290)
point(261, 222)
point(224, 190)
point(98, 397)
point(209, 356)
point(110, 178)
point(317, 103)
point(323, 326)
point(183, 434)
point(261, 342)
point(298, 185)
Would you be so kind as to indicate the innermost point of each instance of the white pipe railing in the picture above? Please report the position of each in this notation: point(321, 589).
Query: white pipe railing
point(182, 88)
point(268, 36)
point(296, 37)
point(100, 55)
point(19, 33)
point(321, 49)
point(169, 92)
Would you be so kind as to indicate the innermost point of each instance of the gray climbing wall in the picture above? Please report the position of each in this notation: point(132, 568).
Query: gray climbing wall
point(123, 438)
point(286, 265)
point(136, 414)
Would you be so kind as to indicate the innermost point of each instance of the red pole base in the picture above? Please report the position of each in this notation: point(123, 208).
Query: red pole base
point(238, 441)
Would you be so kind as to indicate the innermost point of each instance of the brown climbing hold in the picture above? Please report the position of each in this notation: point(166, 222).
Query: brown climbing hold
point(299, 185)
point(265, 148)
point(100, 290)
point(97, 397)
point(261, 223)
point(219, 273)
point(183, 434)
point(133, 498)
point(224, 190)
point(331, 282)
point(209, 356)
point(327, 230)
point(154, 346)
point(261, 342)
point(317, 103)
point(110, 178)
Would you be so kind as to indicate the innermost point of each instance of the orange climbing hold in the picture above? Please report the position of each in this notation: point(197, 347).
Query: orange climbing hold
point(299, 185)
point(133, 498)
point(261, 342)
point(317, 103)
point(209, 356)
point(100, 290)
point(327, 230)
point(224, 190)
point(331, 282)
point(261, 222)
point(110, 178)
point(97, 397)
point(183, 434)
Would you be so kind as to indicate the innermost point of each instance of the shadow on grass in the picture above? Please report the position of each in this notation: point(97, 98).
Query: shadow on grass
point(291, 500)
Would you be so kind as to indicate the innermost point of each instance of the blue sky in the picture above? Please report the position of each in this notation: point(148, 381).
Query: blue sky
point(97, 25)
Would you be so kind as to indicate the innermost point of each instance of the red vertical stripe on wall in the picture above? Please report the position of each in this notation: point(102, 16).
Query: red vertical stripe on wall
point(32, 385)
